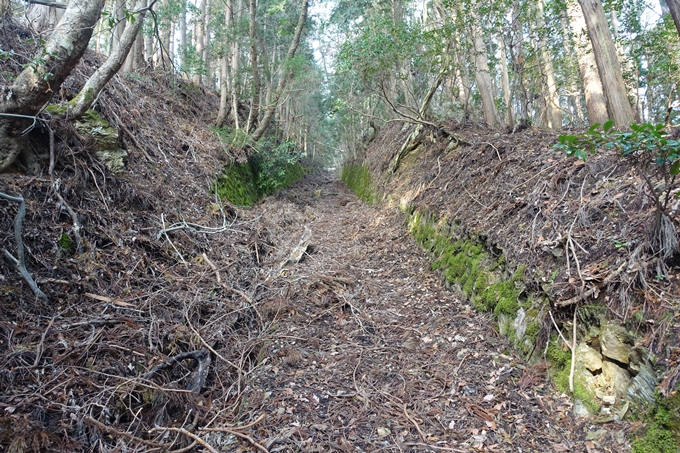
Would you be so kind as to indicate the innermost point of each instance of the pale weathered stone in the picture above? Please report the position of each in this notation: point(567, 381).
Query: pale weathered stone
point(614, 341)
point(588, 357)
point(617, 379)
point(580, 410)
point(105, 137)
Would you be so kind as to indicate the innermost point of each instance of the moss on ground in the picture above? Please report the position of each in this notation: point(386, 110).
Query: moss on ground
point(663, 432)
point(358, 178)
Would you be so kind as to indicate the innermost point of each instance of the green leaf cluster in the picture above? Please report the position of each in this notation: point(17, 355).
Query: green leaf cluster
point(650, 143)
point(271, 168)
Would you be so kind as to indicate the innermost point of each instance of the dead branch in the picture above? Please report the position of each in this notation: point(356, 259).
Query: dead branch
point(186, 433)
point(408, 417)
point(593, 290)
point(20, 260)
point(233, 432)
point(50, 4)
point(55, 187)
point(202, 359)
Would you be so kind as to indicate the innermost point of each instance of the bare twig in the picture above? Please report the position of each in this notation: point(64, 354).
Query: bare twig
point(39, 349)
point(55, 187)
point(188, 434)
point(408, 417)
point(233, 432)
point(20, 260)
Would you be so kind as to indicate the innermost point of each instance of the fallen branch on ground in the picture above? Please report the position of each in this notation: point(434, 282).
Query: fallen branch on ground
point(20, 260)
point(201, 357)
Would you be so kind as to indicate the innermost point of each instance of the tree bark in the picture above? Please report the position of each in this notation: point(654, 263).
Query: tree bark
point(552, 98)
point(483, 79)
point(224, 71)
point(287, 72)
point(505, 83)
point(674, 9)
point(596, 104)
point(608, 64)
point(36, 84)
point(183, 36)
point(199, 34)
point(83, 100)
point(255, 88)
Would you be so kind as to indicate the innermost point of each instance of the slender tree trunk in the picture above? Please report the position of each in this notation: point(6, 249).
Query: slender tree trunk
point(674, 9)
point(608, 64)
point(208, 80)
point(83, 100)
point(286, 74)
point(199, 33)
point(119, 14)
point(505, 83)
point(554, 111)
point(596, 104)
point(483, 79)
point(255, 89)
point(183, 36)
point(224, 90)
point(34, 87)
point(235, 65)
point(224, 70)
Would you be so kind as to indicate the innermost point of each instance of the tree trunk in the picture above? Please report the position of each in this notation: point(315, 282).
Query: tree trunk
point(552, 99)
point(608, 64)
point(224, 71)
point(483, 79)
point(255, 89)
point(224, 90)
point(83, 101)
point(505, 83)
point(674, 9)
point(199, 33)
point(235, 66)
point(42, 17)
point(34, 87)
point(596, 104)
point(208, 80)
point(119, 14)
point(183, 36)
point(286, 73)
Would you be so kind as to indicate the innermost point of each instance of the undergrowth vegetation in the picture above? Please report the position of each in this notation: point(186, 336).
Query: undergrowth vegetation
point(663, 431)
point(271, 168)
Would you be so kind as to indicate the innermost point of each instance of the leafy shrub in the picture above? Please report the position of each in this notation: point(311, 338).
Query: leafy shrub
point(654, 152)
point(271, 168)
point(277, 166)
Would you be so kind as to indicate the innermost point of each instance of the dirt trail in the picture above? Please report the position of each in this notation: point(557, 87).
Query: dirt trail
point(369, 352)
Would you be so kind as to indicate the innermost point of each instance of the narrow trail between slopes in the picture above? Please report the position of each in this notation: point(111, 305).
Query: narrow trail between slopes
point(370, 352)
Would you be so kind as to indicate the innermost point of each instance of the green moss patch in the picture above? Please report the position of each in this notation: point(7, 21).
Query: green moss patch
point(273, 166)
point(663, 432)
point(466, 263)
point(358, 178)
point(237, 183)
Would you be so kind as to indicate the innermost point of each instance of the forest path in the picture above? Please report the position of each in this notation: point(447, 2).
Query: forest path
point(371, 353)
